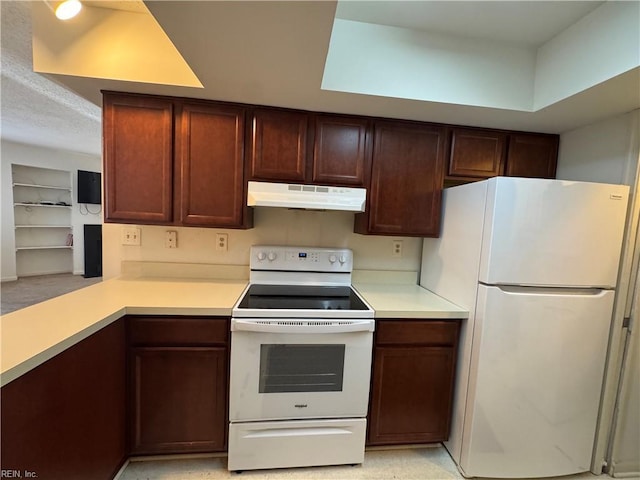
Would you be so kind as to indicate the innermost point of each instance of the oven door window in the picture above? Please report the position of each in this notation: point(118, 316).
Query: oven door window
point(301, 368)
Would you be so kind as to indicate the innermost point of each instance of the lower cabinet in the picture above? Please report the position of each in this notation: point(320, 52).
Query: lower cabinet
point(412, 383)
point(66, 418)
point(178, 371)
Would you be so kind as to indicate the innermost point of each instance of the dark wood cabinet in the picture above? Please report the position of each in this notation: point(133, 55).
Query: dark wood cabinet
point(178, 161)
point(295, 146)
point(210, 165)
point(66, 418)
point(138, 159)
point(178, 384)
point(406, 180)
point(532, 155)
point(278, 145)
point(169, 162)
point(412, 382)
point(341, 153)
point(477, 153)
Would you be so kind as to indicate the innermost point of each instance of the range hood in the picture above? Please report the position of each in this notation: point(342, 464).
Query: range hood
point(310, 197)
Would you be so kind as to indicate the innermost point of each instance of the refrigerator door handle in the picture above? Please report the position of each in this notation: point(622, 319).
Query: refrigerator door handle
point(536, 290)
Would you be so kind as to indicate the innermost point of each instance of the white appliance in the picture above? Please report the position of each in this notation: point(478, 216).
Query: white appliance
point(301, 346)
point(311, 197)
point(535, 262)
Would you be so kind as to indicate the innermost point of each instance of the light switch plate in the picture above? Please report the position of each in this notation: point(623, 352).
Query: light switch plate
point(130, 236)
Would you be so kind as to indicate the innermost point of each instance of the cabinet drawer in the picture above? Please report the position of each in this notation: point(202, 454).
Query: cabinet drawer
point(179, 330)
point(417, 332)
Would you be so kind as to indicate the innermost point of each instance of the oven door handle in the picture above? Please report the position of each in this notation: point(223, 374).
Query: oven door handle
point(294, 327)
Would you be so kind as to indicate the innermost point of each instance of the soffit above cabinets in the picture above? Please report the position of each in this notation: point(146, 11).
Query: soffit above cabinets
point(520, 24)
point(522, 56)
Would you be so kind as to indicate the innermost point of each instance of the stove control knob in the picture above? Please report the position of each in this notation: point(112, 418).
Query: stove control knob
point(332, 259)
point(272, 256)
point(343, 259)
point(261, 256)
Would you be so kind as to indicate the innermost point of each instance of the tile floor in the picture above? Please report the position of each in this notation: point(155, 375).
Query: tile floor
point(429, 463)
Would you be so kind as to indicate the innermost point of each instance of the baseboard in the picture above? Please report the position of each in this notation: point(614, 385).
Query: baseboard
point(121, 470)
point(412, 446)
point(8, 279)
point(44, 272)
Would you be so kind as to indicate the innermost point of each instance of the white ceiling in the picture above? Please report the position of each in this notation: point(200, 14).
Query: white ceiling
point(35, 109)
point(273, 53)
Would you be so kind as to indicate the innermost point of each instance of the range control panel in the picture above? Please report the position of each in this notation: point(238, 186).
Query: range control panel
point(301, 259)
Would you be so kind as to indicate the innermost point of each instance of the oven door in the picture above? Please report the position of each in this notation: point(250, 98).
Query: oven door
point(299, 369)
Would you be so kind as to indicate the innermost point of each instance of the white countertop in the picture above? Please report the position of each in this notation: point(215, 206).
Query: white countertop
point(33, 335)
point(407, 301)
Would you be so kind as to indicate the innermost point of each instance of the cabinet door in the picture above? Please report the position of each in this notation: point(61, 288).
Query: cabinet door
point(138, 159)
point(532, 155)
point(278, 145)
point(179, 399)
point(476, 153)
point(210, 153)
point(406, 181)
point(340, 154)
point(411, 395)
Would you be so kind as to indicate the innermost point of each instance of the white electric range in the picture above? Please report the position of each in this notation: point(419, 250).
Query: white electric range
point(301, 346)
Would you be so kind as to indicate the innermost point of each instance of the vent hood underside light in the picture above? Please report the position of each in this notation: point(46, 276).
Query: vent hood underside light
point(310, 197)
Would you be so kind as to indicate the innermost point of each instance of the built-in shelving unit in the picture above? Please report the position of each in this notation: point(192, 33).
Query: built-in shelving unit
point(42, 215)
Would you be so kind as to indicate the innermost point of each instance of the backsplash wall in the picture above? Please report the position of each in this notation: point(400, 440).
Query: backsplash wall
point(272, 226)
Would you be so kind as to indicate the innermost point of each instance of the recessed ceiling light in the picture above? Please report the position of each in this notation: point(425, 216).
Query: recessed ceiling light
point(66, 9)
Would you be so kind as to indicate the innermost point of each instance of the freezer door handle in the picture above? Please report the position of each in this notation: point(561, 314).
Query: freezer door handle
point(533, 290)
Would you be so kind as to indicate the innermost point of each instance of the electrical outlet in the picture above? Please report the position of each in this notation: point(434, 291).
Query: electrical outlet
point(130, 236)
point(222, 242)
point(171, 239)
point(397, 248)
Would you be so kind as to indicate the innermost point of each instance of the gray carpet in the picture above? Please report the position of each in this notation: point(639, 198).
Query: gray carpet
point(30, 290)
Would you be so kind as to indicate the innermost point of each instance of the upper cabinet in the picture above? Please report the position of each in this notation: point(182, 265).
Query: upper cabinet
point(170, 162)
point(179, 161)
point(406, 180)
point(341, 153)
point(210, 157)
point(295, 146)
point(477, 153)
point(278, 145)
point(138, 159)
point(532, 155)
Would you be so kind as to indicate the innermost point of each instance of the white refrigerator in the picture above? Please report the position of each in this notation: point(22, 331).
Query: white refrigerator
point(535, 262)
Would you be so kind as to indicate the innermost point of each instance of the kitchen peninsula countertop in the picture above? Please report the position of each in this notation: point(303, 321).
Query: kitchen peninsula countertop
point(33, 335)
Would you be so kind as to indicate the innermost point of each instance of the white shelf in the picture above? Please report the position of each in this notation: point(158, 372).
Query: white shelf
point(47, 247)
point(40, 205)
point(43, 226)
point(48, 187)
